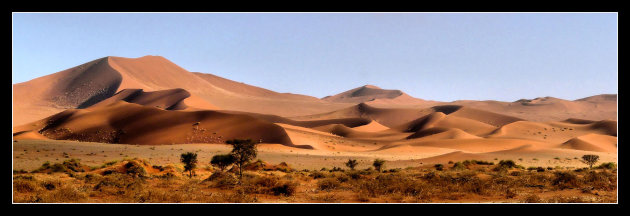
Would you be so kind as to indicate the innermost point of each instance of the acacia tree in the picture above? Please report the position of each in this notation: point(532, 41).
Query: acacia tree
point(190, 161)
point(590, 160)
point(222, 161)
point(351, 164)
point(378, 164)
point(243, 151)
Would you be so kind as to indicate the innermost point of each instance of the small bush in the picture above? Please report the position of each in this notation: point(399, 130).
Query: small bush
point(601, 180)
point(354, 174)
point(328, 184)
point(50, 184)
point(134, 168)
point(223, 180)
point(317, 175)
point(439, 167)
point(564, 180)
point(343, 178)
point(23, 186)
point(285, 188)
point(459, 166)
point(532, 198)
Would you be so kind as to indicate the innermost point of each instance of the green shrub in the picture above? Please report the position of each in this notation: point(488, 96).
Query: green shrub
point(459, 166)
point(609, 165)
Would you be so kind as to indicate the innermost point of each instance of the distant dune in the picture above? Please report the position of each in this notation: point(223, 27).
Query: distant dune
point(368, 93)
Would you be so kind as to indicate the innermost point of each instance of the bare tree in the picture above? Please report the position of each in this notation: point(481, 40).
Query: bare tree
point(378, 164)
point(351, 164)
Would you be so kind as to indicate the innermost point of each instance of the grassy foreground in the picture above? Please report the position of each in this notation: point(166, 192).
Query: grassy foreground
point(137, 181)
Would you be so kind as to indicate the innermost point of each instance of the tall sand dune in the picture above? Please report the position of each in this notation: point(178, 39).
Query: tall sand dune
point(94, 81)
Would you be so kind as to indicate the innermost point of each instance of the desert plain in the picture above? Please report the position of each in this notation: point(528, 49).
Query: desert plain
point(99, 119)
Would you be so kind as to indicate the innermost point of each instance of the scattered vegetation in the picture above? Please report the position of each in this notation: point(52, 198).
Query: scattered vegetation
point(136, 181)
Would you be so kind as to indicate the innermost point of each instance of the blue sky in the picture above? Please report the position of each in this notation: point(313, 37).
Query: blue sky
point(435, 56)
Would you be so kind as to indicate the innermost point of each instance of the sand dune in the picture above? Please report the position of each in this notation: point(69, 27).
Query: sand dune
point(350, 122)
point(123, 122)
point(79, 86)
point(373, 126)
point(250, 90)
point(92, 82)
point(388, 117)
point(442, 133)
point(592, 142)
point(598, 107)
point(171, 99)
point(28, 135)
point(165, 99)
point(368, 93)
point(422, 123)
point(344, 131)
point(553, 132)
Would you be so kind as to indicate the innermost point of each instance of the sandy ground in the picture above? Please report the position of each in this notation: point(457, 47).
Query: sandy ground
point(31, 154)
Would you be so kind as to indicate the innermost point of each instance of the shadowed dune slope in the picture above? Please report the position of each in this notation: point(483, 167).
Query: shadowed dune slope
point(172, 99)
point(122, 122)
point(388, 117)
point(80, 86)
point(349, 122)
